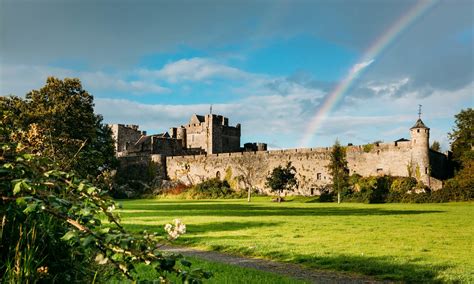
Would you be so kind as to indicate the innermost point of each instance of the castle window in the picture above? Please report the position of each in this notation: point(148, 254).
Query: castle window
point(418, 130)
point(426, 170)
point(312, 191)
point(318, 176)
point(218, 175)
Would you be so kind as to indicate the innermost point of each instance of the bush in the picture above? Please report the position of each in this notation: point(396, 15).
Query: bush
point(370, 189)
point(213, 188)
point(403, 184)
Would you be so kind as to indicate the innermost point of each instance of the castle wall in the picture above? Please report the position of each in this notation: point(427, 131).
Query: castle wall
point(380, 159)
point(311, 165)
point(196, 136)
point(125, 135)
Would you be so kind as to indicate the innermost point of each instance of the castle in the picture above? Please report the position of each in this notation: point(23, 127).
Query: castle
point(207, 147)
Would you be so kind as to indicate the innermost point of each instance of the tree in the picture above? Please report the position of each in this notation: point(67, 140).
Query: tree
point(74, 137)
point(338, 169)
point(52, 221)
point(435, 146)
point(462, 136)
point(462, 139)
point(282, 178)
point(249, 168)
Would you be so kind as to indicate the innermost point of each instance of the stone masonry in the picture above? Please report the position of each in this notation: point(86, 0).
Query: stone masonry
point(208, 148)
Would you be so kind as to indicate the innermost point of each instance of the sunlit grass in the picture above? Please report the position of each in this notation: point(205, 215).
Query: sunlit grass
point(224, 273)
point(410, 242)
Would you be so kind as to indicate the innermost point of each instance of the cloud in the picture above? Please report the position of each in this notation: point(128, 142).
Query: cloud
point(359, 66)
point(20, 79)
point(195, 69)
point(388, 88)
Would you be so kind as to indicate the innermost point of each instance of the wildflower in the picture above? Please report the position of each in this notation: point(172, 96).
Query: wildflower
point(42, 270)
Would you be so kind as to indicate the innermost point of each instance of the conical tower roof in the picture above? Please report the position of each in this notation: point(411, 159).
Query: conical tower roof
point(419, 124)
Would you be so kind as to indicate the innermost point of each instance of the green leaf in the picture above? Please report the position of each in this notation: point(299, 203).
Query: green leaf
point(87, 240)
point(17, 187)
point(69, 235)
point(30, 208)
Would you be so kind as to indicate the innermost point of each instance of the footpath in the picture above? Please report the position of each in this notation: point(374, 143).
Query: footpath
point(287, 269)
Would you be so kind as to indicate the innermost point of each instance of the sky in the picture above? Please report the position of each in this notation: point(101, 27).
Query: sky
point(293, 73)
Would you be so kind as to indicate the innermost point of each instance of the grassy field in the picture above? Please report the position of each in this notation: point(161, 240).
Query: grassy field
point(408, 242)
point(222, 273)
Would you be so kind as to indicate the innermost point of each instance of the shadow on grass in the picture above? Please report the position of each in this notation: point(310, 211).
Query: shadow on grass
point(381, 268)
point(385, 268)
point(202, 228)
point(243, 210)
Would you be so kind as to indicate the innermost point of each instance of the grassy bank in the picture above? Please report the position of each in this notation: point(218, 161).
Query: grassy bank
point(409, 242)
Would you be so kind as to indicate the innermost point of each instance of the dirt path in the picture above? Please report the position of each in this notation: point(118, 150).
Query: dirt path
point(287, 269)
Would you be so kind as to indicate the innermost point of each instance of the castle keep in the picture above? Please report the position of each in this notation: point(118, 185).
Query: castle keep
point(207, 147)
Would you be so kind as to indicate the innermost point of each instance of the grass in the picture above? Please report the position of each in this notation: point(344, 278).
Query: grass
point(223, 273)
point(405, 242)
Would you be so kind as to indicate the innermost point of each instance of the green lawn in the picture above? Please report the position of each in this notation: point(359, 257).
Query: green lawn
point(408, 242)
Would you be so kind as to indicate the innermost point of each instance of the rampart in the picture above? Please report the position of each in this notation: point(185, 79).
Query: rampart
point(311, 165)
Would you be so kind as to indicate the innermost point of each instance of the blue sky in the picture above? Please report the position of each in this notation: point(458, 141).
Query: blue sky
point(268, 65)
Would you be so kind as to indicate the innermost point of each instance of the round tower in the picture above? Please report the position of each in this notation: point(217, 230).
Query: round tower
point(420, 161)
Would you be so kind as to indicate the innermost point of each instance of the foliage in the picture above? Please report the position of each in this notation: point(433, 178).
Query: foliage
point(462, 136)
point(61, 117)
point(368, 147)
point(212, 188)
point(435, 146)
point(282, 178)
point(338, 169)
point(52, 226)
point(403, 184)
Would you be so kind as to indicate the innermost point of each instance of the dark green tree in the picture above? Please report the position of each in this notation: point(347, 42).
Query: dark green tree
point(282, 178)
point(75, 137)
point(462, 137)
point(338, 170)
point(462, 146)
point(435, 146)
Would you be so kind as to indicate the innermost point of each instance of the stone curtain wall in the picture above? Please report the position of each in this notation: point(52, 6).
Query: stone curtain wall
point(311, 165)
point(379, 159)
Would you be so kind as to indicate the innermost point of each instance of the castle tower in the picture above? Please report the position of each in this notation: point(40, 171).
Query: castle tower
point(420, 136)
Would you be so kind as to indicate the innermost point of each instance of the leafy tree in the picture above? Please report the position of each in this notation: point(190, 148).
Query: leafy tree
point(249, 167)
point(338, 169)
point(74, 137)
point(282, 178)
point(435, 146)
point(52, 221)
point(462, 136)
point(462, 139)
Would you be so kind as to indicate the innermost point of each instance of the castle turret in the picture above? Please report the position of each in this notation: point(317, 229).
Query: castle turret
point(420, 136)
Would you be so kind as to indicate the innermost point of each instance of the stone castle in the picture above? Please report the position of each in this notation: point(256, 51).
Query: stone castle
point(207, 147)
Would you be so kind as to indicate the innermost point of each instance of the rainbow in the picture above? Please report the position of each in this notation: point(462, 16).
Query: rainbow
point(368, 58)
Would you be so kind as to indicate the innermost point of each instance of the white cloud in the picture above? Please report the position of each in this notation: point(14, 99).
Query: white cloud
point(359, 66)
point(20, 79)
point(387, 88)
point(195, 69)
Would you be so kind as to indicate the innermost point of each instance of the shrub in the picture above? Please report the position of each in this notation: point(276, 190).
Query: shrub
point(213, 188)
point(403, 184)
